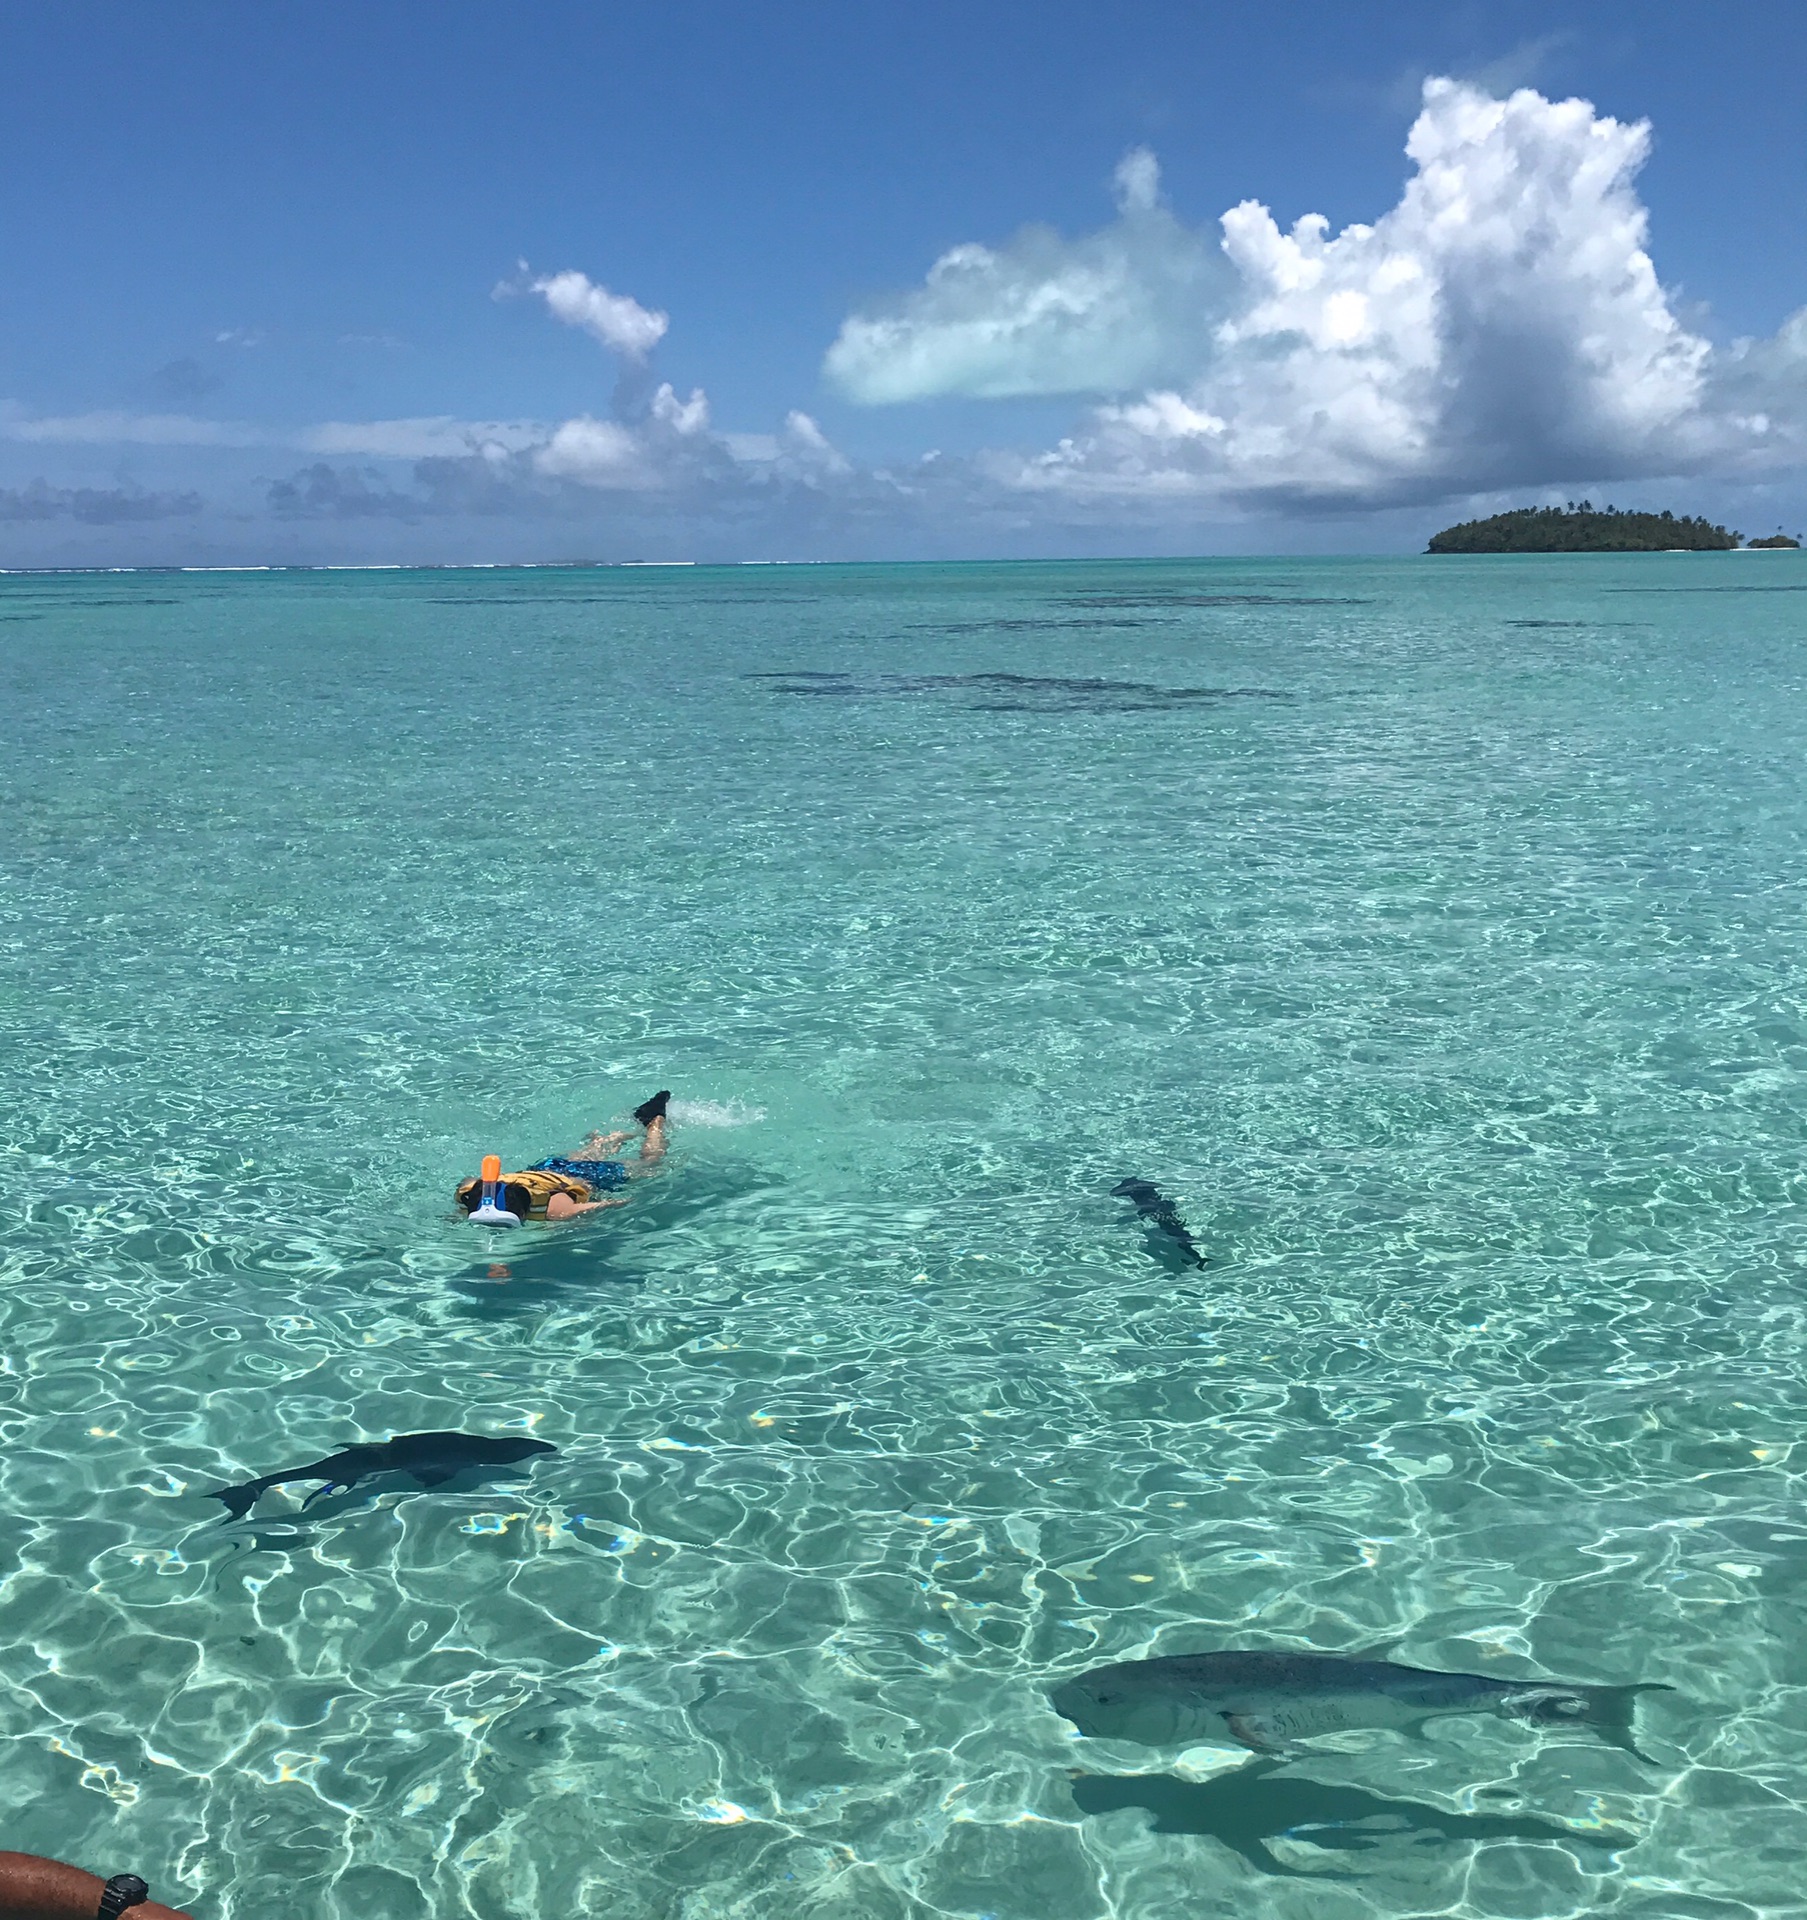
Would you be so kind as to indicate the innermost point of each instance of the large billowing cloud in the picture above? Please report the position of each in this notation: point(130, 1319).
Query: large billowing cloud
point(1102, 314)
point(1501, 326)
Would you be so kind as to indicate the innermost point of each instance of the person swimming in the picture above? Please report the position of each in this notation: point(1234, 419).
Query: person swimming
point(561, 1188)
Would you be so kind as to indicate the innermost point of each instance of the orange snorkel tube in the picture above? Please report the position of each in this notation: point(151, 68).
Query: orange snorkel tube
point(491, 1212)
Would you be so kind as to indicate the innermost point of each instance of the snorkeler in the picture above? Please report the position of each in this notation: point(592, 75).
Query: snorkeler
point(560, 1188)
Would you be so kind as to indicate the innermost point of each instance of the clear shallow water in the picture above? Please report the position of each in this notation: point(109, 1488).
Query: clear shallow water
point(1431, 932)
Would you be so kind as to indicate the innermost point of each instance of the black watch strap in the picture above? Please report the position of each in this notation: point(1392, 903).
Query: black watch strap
point(122, 1891)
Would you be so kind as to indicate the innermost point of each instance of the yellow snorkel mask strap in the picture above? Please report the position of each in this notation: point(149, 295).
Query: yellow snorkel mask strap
point(491, 1210)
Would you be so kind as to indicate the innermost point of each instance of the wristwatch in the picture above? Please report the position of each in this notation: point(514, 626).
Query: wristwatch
point(122, 1891)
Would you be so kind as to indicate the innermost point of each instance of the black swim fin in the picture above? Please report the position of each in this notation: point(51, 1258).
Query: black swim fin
point(654, 1109)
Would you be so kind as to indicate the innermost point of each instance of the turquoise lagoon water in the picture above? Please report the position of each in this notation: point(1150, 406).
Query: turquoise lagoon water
point(1432, 932)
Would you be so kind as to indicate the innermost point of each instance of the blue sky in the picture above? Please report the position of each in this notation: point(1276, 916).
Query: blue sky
point(265, 262)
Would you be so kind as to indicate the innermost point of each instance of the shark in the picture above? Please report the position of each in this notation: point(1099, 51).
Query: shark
point(429, 1459)
point(1268, 1702)
point(1161, 1215)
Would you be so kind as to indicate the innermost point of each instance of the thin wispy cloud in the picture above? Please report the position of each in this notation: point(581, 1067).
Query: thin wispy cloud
point(112, 427)
point(421, 438)
point(1522, 65)
point(94, 506)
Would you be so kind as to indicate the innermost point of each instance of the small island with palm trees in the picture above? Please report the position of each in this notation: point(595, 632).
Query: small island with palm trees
point(1581, 527)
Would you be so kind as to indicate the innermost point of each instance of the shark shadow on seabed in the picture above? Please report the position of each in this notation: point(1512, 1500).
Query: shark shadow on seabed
point(298, 1532)
point(1249, 1806)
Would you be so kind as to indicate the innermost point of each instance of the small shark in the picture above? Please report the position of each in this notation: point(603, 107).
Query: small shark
point(1269, 1701)
point(1162, 1215)
point(431, 1459)
point(1247, 1807)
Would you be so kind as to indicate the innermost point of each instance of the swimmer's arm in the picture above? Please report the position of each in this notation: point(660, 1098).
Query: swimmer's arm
point(562, 1207)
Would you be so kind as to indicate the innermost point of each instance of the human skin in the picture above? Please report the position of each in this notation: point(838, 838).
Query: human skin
point(35, 1889)
point(652, 1150)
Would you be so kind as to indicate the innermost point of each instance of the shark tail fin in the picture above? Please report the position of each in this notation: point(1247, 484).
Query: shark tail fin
point(240, 1499)
point(1611, 1713)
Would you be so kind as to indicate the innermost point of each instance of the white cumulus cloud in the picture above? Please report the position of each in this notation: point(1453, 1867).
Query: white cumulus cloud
point(616, 319)
point(1502, 325)
point(669, 446)
point(1102, 314)
point(801, 452)
point(1760, 389)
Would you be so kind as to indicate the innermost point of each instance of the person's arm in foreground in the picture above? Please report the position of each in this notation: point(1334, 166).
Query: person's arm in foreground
point(35, 1889)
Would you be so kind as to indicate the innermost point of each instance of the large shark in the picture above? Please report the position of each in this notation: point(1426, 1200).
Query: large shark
point(430, 1459)
point(1268, 1702)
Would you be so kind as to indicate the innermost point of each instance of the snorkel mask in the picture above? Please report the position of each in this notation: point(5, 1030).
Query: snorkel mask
point(490, 1212)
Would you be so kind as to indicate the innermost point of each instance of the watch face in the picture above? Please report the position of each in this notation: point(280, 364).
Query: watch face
point(122, 1891)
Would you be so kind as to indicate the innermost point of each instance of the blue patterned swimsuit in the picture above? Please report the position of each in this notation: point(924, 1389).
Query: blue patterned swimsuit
point(600, 1176)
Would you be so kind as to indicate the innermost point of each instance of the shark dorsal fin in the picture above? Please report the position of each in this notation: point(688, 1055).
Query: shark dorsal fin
point(1380, 1650)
